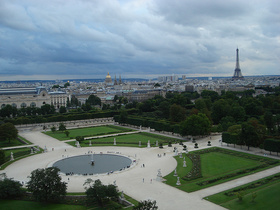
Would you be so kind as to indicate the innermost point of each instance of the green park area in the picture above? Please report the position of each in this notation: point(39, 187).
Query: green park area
point(87, 132)
point(13, 142)
point(18, 154)
point(21, 204)
point(257, 195)
point(214, 166)
point(130, 140)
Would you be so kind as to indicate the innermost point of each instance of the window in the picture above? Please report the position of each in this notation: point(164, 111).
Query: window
point(33, 105)
point(23, 105)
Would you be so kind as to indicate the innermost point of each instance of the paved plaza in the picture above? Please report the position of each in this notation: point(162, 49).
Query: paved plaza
point(137, 181)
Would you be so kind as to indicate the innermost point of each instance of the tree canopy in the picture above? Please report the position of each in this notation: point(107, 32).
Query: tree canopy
point(10, 189)
point(146, 205)
point(8, 131)
point(196, 125)
point(46, 185)
point(98, 193)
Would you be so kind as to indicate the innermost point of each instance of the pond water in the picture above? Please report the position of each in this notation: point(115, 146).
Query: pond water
point(103, 163)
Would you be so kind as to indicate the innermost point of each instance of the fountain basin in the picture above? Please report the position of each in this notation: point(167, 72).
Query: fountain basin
point(103, 163)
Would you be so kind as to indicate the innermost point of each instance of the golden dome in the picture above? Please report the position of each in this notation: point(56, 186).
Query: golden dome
point(108, 76)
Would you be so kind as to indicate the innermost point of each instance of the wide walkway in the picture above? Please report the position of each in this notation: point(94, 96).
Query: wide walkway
point(138, 182)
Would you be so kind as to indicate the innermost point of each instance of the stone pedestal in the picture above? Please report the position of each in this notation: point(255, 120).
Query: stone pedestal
point(178, 181)
point(12, 156)
point(149, 145)
point(159, 176)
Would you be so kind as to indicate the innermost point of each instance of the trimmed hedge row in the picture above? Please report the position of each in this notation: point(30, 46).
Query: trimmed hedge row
point(164, 138)
point(272, 145)
point(57, 117)
point(17, 155)
point(158, 125)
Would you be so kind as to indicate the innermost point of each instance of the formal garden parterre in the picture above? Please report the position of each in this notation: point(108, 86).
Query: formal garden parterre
point(260, 194)
point(209, 167)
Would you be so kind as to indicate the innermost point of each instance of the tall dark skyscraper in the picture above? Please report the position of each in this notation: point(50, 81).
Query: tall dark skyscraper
point(237, 71)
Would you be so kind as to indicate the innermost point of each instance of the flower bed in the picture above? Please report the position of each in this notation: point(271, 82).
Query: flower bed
point(195, 172)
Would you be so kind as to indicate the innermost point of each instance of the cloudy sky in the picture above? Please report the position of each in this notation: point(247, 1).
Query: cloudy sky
point(75, 39)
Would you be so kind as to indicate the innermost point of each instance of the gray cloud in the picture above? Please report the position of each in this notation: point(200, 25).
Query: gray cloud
point(81, 37)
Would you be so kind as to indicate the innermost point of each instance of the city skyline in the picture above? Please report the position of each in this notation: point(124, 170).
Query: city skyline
point(79, 39)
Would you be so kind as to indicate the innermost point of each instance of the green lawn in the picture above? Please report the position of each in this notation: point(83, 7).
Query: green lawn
point(90, 131)
point(215, 165)
point(12, 143)
point(130, 140)
point(267, 197)
point(30, 205)
point(17, 153)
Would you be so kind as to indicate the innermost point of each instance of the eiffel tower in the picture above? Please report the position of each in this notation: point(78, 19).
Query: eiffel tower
point(237, 72)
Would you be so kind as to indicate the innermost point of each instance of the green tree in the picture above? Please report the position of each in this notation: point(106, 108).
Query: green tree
point(8, 132)
point(213, 95)
point(269, 121)
point(79, 138)
point(220, 109)
point(62, 127)
point(248, 135)
point(67, 84)
point(62, 109)
point(2, 157)
point(53, 129)
point(67, 133)
point(8, 111)
point(164, 107)
point(146, 205)
point(123, 116)
point(234, 129)
point(177, 113)
point(93, 100)
point(102, 194)
point(46, 185)
point(10, 189)
point(47, 109)
point(86, 107)
point(196, 125)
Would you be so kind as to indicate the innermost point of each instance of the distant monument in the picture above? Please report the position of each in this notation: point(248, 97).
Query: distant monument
point(237, 72)
point(108, 78)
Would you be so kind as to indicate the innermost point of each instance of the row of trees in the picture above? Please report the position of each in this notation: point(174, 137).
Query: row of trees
point(47, 186)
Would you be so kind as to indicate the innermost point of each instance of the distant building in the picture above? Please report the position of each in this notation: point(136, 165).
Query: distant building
point(108, 79)
point(189, 88)
point(20, 97)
